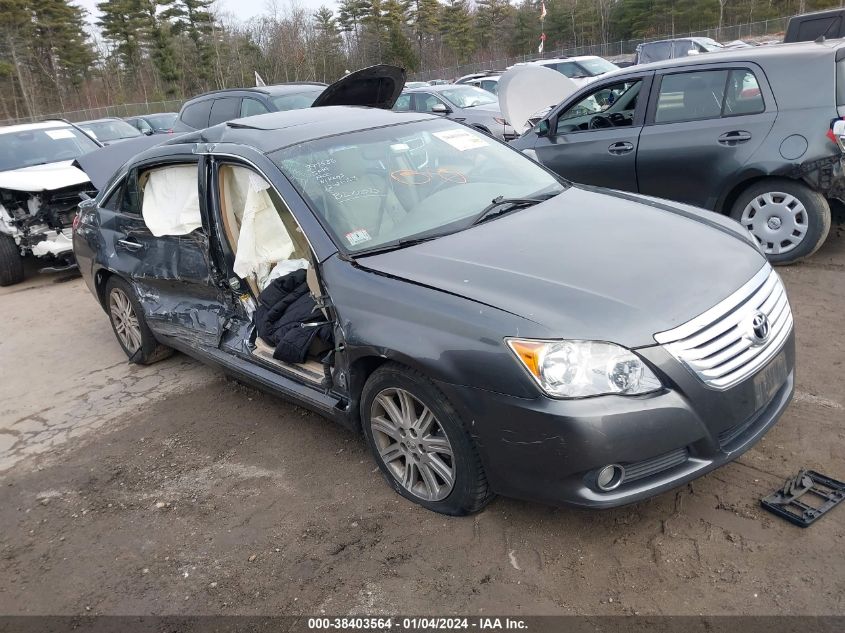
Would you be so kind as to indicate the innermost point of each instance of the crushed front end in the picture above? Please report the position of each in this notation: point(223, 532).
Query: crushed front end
point(40, 222)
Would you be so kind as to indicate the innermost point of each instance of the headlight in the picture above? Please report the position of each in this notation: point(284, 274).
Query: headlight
point(576, 369)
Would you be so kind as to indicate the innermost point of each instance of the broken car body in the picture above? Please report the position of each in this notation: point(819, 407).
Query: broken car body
point(480, 335)
point(39, 192)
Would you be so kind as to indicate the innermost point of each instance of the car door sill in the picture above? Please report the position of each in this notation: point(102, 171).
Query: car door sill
point(310, 371)
point(260, 377)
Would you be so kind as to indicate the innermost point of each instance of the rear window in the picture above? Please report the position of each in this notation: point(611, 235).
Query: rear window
point(225, 109)
point(196, 114)
point(691, 96)
point(298, 101)
point(840, 83)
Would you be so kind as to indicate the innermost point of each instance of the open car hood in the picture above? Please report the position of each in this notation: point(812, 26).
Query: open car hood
point(47, 177)
point(375, 87)
point(101, 164)
point(526, 90)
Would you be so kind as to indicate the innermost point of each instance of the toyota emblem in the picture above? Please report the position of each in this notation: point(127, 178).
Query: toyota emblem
point(759, 328)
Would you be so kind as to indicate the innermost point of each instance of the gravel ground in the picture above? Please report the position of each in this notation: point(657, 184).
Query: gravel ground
point(170, 490)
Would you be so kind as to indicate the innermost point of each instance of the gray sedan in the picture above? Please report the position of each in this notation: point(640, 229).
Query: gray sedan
point(467, 104)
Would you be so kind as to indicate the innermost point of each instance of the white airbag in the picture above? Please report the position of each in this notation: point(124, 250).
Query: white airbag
point(171, 203)
point(263, 238)
point(526, 89)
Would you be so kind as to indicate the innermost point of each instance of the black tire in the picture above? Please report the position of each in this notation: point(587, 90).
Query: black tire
point(470, 491)
point(150, 350)
point(11, 262)
point(817, 216)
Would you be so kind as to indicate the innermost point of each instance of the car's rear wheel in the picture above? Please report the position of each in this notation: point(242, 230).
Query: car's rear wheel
point(420, 443)
point(130, 328)
point(11, 262)
point(787, 218)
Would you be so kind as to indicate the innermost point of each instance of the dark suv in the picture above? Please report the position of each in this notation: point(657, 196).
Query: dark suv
point(746, 132)
point(224, 105)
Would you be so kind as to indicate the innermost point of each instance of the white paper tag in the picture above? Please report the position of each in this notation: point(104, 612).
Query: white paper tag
point(358, 236)
point(461, 140)
point(60, 134)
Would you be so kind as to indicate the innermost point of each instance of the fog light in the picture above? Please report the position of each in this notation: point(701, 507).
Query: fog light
point(610, 477)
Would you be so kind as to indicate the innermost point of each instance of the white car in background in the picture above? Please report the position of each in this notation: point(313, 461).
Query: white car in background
point(582, 69)
point(40, 189)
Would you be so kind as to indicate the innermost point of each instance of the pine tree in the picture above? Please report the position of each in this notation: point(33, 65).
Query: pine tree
point(457, 29)
point(399, 50)
point(492, 17)
point(351, 15)
point(425, 19)
point(328, 46)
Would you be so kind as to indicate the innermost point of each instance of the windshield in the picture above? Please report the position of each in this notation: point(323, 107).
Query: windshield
point(467, 96)
point(161, 121)
point(382, 186)
point(597, 66)
point(42, 146)
point(297, 101)
point(110, 130)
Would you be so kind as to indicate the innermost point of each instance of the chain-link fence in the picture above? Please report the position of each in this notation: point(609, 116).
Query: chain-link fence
point(612, 50)
point(120, 110)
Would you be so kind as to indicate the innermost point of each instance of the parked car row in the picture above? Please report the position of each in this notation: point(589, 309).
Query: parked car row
point(489, 326)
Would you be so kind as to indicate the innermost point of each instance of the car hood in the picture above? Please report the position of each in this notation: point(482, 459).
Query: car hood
point(375, 87)
point(525, 90)
point(588, 264)
point(47, 177)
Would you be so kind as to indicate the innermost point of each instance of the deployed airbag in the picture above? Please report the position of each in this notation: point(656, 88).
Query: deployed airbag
point(171, 204)
point(263, 238)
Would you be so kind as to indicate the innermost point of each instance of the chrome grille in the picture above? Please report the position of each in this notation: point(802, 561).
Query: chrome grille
point(716, 346)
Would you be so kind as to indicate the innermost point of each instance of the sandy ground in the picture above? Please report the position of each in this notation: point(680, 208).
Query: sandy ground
point(170, 490)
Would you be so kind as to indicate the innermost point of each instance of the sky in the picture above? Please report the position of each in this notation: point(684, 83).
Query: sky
point(241, 9)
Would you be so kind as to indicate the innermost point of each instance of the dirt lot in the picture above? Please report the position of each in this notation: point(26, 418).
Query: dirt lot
point(170, 490)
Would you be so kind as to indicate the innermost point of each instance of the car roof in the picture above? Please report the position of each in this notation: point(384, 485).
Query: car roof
point(577, 58)
point(274, 90)
point(276, 130)
point(27, 127)
point(796, 54)
point(798, 65)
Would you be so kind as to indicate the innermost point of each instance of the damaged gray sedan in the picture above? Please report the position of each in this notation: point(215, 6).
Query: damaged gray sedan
point(457, 303)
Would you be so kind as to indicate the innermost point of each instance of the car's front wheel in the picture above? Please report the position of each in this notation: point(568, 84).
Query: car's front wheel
point(787, 218)
point(130, 328)
point(420, 443)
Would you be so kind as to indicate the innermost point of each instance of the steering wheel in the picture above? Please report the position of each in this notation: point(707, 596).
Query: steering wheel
point(600, 121)
point(617, 119)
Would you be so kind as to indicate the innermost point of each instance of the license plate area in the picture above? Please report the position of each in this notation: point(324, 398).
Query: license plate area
point(769, 380)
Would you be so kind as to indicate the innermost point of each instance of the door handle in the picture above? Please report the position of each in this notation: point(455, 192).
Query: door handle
point(734, 138)
point(131, 245)
point(622, 147)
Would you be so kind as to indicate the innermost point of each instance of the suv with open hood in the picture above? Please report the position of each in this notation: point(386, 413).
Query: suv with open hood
point(39, 192)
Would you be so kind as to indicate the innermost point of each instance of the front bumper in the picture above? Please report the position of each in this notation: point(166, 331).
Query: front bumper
point(550, 450)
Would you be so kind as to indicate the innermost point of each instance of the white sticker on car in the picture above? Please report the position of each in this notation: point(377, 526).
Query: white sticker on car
point(461, 140)
point(60, 134)
point(358, 236)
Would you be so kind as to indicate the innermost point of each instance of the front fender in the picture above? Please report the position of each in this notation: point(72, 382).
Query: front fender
point(447, 337)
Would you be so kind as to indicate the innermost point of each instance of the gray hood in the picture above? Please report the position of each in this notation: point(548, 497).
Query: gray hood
point(588, 265)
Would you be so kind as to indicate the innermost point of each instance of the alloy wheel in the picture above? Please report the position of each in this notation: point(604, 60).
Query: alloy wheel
point(412, 444)
point(777, 220)
point(125, 322)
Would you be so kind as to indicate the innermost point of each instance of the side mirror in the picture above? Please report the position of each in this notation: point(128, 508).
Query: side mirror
point(439, 108)
point(147, 132)
point(839, 133)
point(692, 51)
point(543, 128)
